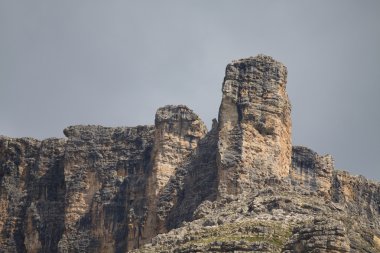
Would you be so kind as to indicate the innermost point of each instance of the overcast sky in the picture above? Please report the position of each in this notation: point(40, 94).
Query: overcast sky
point(114, 63)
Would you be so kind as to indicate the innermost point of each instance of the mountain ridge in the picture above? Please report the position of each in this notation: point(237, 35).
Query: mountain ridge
point(176, 187)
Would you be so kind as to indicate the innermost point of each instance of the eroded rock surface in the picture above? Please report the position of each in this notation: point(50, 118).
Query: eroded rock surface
point(177, 133)
point(319, 236)
point(194, 182)
point(32, 192)
point(312, 170)
point(105, 171)
point(178, 130)
point(254, 124)
point(176, 187)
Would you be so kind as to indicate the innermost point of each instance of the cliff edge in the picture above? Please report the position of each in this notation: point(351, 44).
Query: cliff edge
point(177, 187)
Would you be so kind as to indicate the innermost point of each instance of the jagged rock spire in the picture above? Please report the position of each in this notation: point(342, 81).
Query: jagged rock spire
point(254, 123)
point(113, 189)
point(177, 132)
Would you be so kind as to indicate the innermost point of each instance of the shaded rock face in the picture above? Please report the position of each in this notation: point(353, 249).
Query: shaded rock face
point(194, 182)
point(254, 124)
point(311, 170)
point(361, 199)
point(174, 187)
point(177, 133)
point(362, 195)
point(178, 130)
point(105, 171)
point(32, 190)
point(95, 191)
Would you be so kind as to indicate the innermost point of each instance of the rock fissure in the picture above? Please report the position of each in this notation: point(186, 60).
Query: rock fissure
point(176, 187)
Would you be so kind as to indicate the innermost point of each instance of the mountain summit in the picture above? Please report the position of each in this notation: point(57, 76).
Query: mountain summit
point(177, 187)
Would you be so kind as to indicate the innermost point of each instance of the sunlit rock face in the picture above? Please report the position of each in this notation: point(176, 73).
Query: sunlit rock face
point(176, 187)
point(254, 124)
point(177, 133)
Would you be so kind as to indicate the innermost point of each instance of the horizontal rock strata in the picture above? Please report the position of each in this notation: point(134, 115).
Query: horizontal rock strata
point(176, 187)
point(254, 124)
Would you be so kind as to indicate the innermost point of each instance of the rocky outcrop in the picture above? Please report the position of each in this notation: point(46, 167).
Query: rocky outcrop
point(177, 133)
point(105, 171)
point(311, 170)
point(176, 187)
point(32, 194)
point(360, 198)
point(95, 191)
point(360, 194)
point(254, 124)
point(319, 236)
point(194, 182)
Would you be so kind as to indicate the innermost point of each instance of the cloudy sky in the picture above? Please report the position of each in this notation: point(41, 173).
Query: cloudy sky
point(114, 63)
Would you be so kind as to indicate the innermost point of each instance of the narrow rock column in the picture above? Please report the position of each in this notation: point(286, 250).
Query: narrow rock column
point(177, 132)
point(254, 124)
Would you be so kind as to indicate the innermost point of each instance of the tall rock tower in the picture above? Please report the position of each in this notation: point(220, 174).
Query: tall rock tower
point(254, 124)
point(177, 132)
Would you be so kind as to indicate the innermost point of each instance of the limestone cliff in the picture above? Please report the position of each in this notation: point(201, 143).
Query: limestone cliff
point(177, 133)
point(105, 172)
point(32, 192)
point(312, 170)
point(176, 187)
point(254, 124)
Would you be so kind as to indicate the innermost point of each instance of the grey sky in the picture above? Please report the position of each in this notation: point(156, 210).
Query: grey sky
point(115, 62)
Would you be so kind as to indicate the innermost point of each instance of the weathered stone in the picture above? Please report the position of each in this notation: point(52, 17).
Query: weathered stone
point(319, 236)
point(177, 133)
point(174, 187)
point(312, 170)
point(254, 124)
point(31, 194)
point(194, 182)
point(105, 172)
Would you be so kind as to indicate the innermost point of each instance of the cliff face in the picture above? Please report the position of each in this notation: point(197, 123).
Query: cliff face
point(254, 124)
point(105, 171)
point(311, 170)
point(176, 187)
point(32, 194)
point(177, 132)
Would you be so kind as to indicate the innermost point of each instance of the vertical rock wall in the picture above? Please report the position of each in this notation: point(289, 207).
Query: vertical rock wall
point(177, 132)
point(112, 189)
point(311, 170)
point(105, 172)
point(254, 124)
point(17, 157)
point(316, 173)
point(44, 216)
point(32, 191)
point(97, 191)
point(360, 195)
point(361, 199)
point(194, 182)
